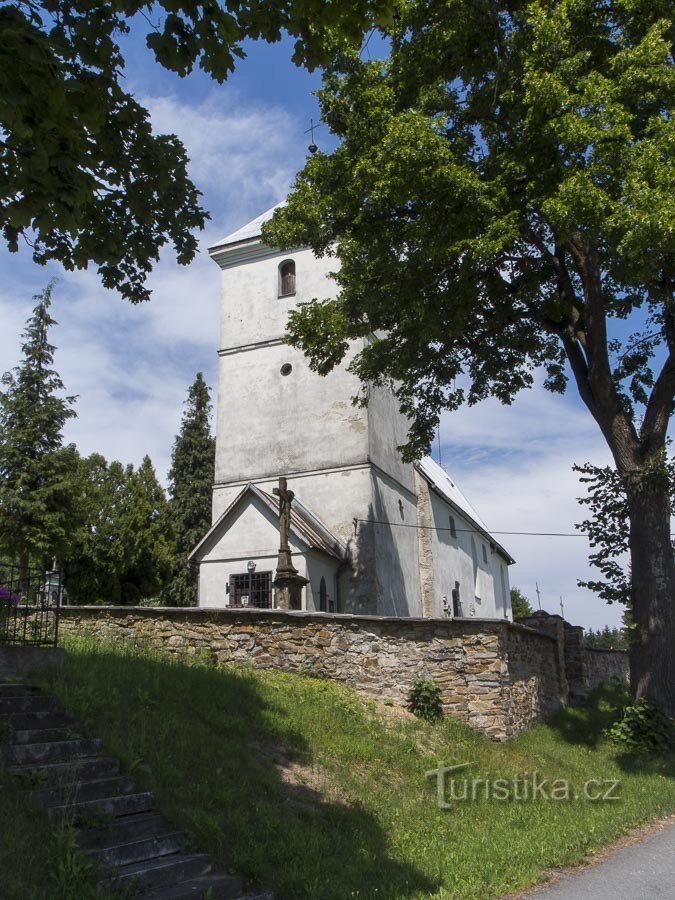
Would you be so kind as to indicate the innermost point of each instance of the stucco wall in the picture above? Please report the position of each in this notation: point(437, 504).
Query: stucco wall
point(495, 676)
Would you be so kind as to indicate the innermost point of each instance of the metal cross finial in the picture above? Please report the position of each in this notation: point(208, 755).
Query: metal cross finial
point(312, 147)
point(538, 594)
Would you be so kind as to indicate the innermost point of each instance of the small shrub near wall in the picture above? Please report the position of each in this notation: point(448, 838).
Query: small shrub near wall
point(426, 700)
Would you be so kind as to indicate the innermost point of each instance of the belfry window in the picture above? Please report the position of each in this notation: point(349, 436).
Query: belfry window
point(287, 278)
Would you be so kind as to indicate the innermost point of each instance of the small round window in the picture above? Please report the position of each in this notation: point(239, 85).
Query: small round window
point(286, 369)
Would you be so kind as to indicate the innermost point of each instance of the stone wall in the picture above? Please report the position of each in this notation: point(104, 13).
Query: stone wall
point(585, 668)
point(495, 676)
point(603, 665)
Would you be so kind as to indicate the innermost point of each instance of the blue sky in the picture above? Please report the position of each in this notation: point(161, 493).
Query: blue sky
point(131, 366)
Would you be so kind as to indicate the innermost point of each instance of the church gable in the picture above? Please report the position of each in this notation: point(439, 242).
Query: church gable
point(249, 527)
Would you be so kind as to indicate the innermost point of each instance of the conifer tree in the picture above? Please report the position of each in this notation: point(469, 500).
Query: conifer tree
point(38, 492)
point(122, 551)
point(191, 479)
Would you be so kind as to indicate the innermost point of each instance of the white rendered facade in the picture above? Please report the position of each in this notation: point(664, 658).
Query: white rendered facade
point(356, 498)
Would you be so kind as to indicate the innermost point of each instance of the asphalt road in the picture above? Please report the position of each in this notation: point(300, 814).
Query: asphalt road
point(639, 872)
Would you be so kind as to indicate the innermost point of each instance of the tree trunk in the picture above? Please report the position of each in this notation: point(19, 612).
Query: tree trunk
point(653, 590)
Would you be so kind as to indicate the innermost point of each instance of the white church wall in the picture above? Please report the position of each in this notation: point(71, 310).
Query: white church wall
point(396, 556)
point(263, 315)
point(479, 581)
point(319, 566)
point(269, 423)
point(387, 430)
point(251, 535)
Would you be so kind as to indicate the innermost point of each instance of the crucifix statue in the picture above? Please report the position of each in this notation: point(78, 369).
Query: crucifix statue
point(285, 500)
point(288, 583)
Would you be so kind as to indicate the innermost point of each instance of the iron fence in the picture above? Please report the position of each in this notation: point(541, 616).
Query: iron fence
point(30, 600)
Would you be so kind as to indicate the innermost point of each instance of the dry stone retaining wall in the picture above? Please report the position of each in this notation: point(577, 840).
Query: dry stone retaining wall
point(495, 676)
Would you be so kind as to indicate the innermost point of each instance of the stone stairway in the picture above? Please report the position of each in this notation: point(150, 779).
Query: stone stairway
point(140, 855)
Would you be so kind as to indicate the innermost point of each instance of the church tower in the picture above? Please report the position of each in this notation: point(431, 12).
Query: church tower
point(276, 417)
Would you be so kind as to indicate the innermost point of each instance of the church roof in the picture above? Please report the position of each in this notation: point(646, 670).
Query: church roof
point(248, 232)
point(440, 479)
point(305, 525)
point(442, 483)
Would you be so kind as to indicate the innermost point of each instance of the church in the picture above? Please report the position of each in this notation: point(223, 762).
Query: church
point(371, 535)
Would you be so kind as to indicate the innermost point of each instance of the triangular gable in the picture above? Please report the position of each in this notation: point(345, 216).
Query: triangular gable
point(305, 526)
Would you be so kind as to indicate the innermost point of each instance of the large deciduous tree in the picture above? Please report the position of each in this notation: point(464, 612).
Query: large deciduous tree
point(501, 201)
point(190, 486)
point(38, 494)
point(83, 179)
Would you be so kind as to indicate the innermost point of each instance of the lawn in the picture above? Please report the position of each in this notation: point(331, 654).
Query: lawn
point(309, 789)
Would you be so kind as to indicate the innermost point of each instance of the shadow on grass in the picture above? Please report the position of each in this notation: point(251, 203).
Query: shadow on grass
point(226, 761)
point(585, 725)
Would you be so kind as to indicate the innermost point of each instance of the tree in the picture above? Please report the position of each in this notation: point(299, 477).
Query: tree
point(121, 553)
point(500, 202)
point(606, 639)
point(520, 605)
point(608, 529)
point(38, 497)
point(191, 480)
point(83, 179)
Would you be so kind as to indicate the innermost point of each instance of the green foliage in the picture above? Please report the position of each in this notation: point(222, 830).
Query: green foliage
point(191, 479)
point(425, 700)
point(306, 787)
point(38, 492)
point(520, 605)
point(607, 639)
point(83, 177)
point(485, 177)
point(122, 550)
point(500, 203)
point(643, 728)
point(608, 526)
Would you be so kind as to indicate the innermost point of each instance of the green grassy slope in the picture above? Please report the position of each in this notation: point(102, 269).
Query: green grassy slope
point(308, 789)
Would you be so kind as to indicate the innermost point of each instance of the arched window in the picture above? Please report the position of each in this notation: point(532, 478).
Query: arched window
point(323, 596)
point(287, 278)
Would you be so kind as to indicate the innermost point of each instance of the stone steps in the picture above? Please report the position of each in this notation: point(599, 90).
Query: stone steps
point(41, 735)
point(66, 772)
point(116, 824)
point(81, 791)
point(50, 752)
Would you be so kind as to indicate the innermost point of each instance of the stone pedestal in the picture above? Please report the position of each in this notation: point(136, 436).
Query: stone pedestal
point(288, 587)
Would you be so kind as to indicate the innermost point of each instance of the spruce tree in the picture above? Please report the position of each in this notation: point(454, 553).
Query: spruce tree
point(38, 491)
point(191, 479)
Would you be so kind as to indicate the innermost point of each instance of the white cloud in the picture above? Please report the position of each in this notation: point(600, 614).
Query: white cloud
point(515, 465)
point(131, 365)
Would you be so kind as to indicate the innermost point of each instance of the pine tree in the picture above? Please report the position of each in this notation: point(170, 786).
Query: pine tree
point(191, 479)
point(38, 491)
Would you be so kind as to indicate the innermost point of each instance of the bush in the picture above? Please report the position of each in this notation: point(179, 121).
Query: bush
point(425, 700)
point(643, 728)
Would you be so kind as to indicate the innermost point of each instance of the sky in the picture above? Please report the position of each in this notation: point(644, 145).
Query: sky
point(131, 366)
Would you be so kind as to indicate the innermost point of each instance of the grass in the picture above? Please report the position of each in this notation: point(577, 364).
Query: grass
point(302, 786)
point(38, 860)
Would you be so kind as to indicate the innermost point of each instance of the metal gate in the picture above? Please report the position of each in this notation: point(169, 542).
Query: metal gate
point(30, 600)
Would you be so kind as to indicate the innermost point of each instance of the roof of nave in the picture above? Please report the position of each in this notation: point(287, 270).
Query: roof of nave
point(444, 485)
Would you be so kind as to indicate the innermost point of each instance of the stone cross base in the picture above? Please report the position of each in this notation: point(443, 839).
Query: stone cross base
point(288, 590)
